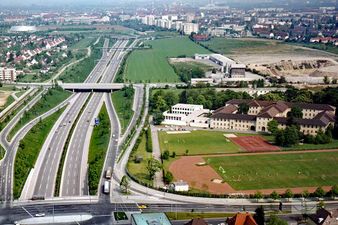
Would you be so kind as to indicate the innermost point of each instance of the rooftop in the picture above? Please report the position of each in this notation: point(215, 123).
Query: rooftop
point(150, 219)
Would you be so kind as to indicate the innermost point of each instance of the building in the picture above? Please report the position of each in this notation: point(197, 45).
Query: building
point(149, 219)
point(197, 221)
point(220, 60)
point(179, 186)
point(189, 28)
point(324, 217)
point(241, 219)
point(7, 74)
point(196, 81)
point(237, 70)
point(260, 113)
point(187, 115)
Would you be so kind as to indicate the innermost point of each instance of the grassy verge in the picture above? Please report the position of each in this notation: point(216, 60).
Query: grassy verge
point(29, 149)
point(97, 150)
point(123, 106)
point(138, 169)
point(79, 72)
point(51, 99)
point(9, 101)
point(2, 152)
point(191, 215)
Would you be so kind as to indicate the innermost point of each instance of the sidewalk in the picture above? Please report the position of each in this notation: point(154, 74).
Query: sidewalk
point(158, 181)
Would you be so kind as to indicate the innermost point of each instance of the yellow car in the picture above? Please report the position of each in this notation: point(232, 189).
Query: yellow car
point(142, 206)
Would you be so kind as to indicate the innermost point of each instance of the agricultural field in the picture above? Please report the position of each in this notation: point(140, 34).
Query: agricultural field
point(270, 171)
point(197, 143)
point(151, 65)
point(5, 99)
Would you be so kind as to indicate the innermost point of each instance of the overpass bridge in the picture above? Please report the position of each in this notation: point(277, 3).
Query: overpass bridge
point(92, 87)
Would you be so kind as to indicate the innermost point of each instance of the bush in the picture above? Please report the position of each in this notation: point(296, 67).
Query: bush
point(165, 155)
point(319, 192)
point(168, 177)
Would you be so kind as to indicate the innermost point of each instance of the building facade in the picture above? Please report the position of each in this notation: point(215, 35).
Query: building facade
point(7, 74)
point(260, 113)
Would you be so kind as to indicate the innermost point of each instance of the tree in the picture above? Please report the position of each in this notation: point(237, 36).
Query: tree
point(295, 112)
point(305, 194)
point(288, 193)
point(243, 108)
point(259, 215)
point(258, 195)
point(125, 184)
point(274, 220)
point(319, 192)
point(326, 80)
point(165, 155)
point(168, 177)
point(274, 195)
point(291, 135)
point(273, 126)
point(334, 190)
point(153, 166)
point(149, 143)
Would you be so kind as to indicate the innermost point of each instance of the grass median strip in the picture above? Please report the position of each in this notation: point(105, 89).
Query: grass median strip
point(29, 149)
point(97, 150)
point(51, 99)
point(123, 102)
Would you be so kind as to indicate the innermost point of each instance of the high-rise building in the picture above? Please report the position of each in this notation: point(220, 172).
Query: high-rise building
point(7, 74)
point(189, 28)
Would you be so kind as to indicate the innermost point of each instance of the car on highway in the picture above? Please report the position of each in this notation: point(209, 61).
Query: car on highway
point(142, 206)
point(40, 215)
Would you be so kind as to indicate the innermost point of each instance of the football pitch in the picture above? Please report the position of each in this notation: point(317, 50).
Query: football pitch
point(269, 171)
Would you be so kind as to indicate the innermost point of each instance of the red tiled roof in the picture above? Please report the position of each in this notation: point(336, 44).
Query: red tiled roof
point(241, 219)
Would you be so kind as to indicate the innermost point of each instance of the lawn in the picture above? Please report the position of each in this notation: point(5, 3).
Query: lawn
point(197, 143)
point(51, 99)
point(29, 149)
point(123, 106)
point(151, 65)
point(97, 150)
point(138, 170)
point(264, 171)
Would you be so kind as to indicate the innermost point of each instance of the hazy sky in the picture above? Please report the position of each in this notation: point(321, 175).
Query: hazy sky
point(54, 2)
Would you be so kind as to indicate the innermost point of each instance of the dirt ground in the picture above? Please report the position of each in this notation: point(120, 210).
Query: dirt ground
point(254, 144)
point(201, 177)
point(3, 97)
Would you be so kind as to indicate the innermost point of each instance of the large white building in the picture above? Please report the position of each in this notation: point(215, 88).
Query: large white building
point(189, 28)
point(187, 115)
point(7, 74)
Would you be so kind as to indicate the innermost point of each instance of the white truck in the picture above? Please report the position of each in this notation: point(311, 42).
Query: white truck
point(106, 187)
point(109, 173)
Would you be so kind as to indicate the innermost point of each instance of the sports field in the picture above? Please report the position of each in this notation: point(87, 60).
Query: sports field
point(269, 171)
point(151, 65)
point(197, 143)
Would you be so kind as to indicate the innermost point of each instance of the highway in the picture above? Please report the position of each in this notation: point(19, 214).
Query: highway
point(42, 182)
point(74, 176)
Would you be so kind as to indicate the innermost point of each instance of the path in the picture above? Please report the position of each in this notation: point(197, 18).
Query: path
point(158, 181)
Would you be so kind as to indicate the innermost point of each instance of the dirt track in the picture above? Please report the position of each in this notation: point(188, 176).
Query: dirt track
point(200, 177)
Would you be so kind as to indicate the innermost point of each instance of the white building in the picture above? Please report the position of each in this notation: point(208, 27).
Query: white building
point(189, 28)
point(187, 115)
point(7, 74)
point(195, 81)
point(179, 186)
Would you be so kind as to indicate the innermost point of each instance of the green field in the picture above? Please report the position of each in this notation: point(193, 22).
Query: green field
point(197, 143)
point(51, 99)
point(151, 65)
point(139, 170)
point(97, 150)
point(191, 215)
point(9, 101)
point(265, 171)
point(29, 149)
point(123, 106)
point(84, 43)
